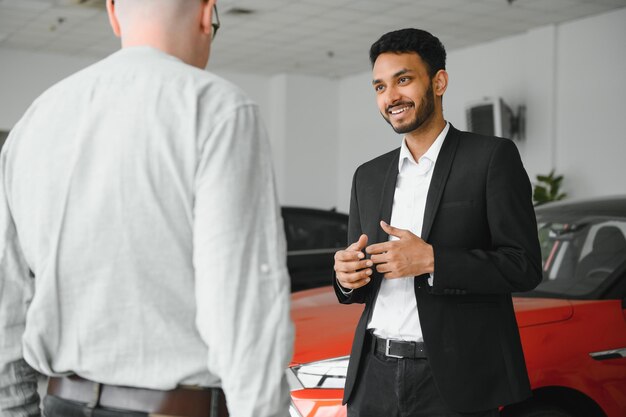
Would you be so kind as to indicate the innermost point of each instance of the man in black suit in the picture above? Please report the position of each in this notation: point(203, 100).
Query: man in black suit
point(452, 233)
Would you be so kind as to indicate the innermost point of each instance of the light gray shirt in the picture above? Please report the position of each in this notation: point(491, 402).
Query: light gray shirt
point(141, 242)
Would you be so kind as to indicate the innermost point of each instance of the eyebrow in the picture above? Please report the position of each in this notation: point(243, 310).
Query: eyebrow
point(396, 75)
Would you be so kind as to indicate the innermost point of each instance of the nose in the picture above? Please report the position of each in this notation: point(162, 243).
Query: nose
point(392, 95)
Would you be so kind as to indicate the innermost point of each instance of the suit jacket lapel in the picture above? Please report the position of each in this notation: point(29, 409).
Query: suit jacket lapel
point(439, 178)
point(386, 201)
point(383, 213)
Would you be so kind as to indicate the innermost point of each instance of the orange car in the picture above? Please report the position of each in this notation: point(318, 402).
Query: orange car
point(573, 325)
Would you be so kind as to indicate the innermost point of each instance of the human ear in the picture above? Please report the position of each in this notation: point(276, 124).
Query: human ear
point(206, 17)
point(115, 24)
point(440, 82)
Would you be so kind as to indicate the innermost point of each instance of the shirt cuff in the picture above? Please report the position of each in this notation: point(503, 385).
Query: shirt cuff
point(343, 290)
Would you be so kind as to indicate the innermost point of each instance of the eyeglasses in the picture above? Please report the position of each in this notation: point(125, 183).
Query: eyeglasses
point(216, 22)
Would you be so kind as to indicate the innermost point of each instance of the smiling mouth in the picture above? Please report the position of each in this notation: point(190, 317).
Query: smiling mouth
point(399, 109)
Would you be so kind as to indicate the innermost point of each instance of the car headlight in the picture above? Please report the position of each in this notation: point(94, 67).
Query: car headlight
point(329, 373)
point(293, 411)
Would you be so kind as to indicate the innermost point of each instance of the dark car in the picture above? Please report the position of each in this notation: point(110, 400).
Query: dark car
point(313, 237)
point(572, 326)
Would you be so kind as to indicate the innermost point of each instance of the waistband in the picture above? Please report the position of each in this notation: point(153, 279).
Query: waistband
point(182, 401)
point(398, 349)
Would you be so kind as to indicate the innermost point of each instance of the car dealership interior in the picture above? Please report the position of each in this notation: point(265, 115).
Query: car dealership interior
point(550, 75)
point(305, 63)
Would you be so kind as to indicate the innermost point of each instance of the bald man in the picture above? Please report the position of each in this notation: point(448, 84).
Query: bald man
point(142, 257)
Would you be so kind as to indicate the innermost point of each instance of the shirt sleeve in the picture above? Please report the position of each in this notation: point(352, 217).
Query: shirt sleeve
point(242, 284)
point(18, 381)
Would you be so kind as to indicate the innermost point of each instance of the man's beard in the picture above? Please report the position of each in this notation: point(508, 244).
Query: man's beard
point(422, 114)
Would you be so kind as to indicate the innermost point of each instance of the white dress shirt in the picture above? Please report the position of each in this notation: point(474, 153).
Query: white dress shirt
point(395, 313)
point(140, 194)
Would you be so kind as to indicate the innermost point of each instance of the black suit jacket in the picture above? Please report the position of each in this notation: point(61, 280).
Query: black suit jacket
point(480, 220)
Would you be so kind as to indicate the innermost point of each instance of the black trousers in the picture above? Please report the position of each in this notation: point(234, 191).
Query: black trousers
point(59, 407)
point(393, 387)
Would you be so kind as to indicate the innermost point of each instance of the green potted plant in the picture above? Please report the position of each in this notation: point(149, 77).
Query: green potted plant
point(548, 188)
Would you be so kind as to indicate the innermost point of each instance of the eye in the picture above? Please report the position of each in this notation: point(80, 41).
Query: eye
point(379, 87)
point(403, 80)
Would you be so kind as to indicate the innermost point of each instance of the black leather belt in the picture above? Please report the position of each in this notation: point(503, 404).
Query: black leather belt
point(182, 401)
point(399, 348)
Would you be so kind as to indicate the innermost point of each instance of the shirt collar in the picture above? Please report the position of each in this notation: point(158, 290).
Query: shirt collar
point(431, 154)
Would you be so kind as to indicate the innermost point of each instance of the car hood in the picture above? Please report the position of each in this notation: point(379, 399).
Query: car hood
point(325, 328)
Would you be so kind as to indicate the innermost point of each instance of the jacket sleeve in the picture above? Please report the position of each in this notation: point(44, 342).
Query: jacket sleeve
point(358, 295)
point(513, 262)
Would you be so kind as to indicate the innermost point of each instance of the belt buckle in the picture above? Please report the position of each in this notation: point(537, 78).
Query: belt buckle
point(387, 347)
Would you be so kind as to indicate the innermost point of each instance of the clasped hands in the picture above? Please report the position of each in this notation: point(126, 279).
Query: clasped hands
point(407, 256)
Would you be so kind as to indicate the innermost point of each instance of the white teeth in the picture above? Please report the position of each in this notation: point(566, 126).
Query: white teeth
point(398, 111)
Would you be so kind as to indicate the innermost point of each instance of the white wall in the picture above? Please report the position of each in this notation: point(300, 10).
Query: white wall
point(310, 141)
point(591, 99)
point(302, 123)
point(571, 77)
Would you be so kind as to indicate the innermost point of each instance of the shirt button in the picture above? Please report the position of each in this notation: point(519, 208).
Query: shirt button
point(265, 268)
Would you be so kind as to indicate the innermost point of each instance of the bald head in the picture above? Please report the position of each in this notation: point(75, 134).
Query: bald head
point(179, 27)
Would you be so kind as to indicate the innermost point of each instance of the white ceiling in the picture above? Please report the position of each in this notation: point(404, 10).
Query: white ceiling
point(318, 37)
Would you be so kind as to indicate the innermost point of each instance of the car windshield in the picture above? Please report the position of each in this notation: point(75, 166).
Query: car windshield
point(579, 254)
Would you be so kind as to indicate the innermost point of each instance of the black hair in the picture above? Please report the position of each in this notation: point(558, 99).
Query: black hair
point(427, 46)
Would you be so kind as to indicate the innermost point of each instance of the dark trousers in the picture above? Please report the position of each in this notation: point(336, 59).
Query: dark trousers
point(59, 407)
point(393, 387)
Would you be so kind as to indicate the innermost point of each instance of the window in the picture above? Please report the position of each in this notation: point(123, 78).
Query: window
point(313, 229)
point(579, 256)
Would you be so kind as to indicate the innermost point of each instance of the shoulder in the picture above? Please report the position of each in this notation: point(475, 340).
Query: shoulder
point(196, 92)
point(153, 71)
point(378, 164)
point(476, 139)
point(52, 102)
point(186, 80)
point(480, 146)
point(221, 95)
point(60, 89)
